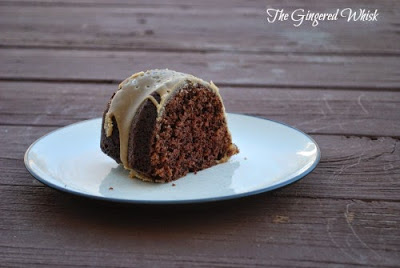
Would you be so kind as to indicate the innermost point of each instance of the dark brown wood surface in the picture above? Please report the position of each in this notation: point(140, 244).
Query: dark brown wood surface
point(340, 82)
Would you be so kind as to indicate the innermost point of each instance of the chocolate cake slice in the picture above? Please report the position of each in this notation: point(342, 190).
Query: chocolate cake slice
point(162, 124)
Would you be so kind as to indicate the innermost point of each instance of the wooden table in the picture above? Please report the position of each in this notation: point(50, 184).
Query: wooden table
point(340, 82)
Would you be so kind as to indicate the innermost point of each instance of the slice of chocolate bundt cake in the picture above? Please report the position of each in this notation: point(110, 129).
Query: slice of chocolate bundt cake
point(162, 124)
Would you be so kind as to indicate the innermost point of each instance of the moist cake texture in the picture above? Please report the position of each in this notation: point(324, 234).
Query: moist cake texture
point(162, 124)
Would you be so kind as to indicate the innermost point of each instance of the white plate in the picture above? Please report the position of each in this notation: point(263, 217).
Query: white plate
point(271, 155)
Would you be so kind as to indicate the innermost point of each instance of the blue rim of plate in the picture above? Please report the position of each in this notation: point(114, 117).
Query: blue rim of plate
point(170, 202)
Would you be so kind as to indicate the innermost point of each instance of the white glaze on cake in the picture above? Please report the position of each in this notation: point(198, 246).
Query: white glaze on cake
point(134, 90)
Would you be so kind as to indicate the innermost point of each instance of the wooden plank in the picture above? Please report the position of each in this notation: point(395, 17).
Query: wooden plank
point(40, 226)
point(222, 68)
point(351, 167)
point(186, 4)
point(180, 4)
point(189, 26)
point(344, 112)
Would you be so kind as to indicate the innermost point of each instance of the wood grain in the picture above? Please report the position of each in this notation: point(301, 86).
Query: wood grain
point(343, 112)
point(44, 227)
point(292, 71)
point(184, 26)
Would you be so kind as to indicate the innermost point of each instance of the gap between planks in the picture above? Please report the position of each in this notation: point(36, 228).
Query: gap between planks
point(204, 51)
point(220, 84)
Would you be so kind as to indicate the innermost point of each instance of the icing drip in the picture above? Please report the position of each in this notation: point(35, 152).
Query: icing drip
point(134, 90)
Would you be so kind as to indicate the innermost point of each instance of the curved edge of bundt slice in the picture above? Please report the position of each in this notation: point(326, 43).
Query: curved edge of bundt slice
point(142, 129)
point(110, 145)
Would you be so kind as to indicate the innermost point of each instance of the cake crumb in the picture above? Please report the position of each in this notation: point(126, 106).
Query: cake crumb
point(245, 158)
point(110, 188)
point(173, 185)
